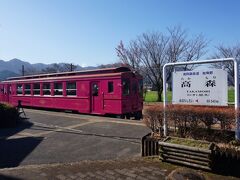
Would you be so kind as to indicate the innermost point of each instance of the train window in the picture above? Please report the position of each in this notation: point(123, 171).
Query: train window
point(5, 90)
point(71, 89)
point(36, 89)
point(58, 90)
point(27, 89)
point(134, 88)
point(140, 86)
point(46, 89)
point(19, 89)
point(126, 86)
point(95, 89)
point(110, 86)
point(10, 89)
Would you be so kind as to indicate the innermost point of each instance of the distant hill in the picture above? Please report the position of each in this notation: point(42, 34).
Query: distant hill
point(14, 65)
point(6, 74)
point(14, 68)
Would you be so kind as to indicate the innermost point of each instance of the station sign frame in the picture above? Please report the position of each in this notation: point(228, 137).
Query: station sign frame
point(211, 61)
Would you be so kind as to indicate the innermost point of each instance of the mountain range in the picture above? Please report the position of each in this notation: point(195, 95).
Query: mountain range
point(14, 67)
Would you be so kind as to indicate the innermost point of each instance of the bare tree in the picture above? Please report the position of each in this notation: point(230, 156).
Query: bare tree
point(182, 48)
point(150, 51)
point(131, 56)
point(227, 52)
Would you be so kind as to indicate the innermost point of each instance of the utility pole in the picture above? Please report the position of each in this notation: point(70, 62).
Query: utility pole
point(71, 67)
point(22, 70)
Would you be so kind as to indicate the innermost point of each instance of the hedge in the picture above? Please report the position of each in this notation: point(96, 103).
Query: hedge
point(199, 122)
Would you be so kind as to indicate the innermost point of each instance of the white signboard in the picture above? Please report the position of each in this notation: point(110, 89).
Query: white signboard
point(203, 87)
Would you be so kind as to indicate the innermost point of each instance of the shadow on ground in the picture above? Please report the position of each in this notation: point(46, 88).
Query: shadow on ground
point(228, 167)
point(14, 150)
point(22, 124)
point(4, 177)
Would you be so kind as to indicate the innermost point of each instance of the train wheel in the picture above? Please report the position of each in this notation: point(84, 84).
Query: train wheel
point(120, 116)
point(138, 115)
point(128, 116)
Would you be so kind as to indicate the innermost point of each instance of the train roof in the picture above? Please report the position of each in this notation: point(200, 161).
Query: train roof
point(73, 73)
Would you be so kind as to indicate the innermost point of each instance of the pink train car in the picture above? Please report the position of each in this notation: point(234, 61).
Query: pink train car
point(111, 91)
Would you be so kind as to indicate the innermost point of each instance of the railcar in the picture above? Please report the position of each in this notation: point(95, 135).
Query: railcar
point(110, 91)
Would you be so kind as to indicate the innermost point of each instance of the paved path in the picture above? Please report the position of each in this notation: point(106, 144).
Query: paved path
point(137, 168)
point(58, 137)
point(119, 169)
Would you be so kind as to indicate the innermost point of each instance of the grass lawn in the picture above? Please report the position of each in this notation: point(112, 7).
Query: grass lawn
point(189, 142)
point(231, 95)
point(151, 96)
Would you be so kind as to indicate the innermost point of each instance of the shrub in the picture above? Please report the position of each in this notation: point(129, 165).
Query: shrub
point(192, 121)
point(153, 119)
point(9, 116)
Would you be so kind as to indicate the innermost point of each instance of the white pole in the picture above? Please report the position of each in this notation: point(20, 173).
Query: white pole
point(165, 126)
point(236, 88)
point(236, 81)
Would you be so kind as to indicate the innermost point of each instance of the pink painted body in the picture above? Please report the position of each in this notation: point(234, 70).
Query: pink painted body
point(115, 91)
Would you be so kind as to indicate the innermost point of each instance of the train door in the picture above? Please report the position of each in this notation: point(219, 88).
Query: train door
point(135, 96)
point(95, 97)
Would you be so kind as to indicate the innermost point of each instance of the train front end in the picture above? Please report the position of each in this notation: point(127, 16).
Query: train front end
point(132, 95)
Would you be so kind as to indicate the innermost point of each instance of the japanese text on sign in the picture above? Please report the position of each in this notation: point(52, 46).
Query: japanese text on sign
point(201, 87)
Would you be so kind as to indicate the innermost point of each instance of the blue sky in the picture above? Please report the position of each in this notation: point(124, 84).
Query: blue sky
point(86, 32)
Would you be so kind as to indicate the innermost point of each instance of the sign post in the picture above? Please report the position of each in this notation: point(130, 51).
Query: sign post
point(236, 89)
